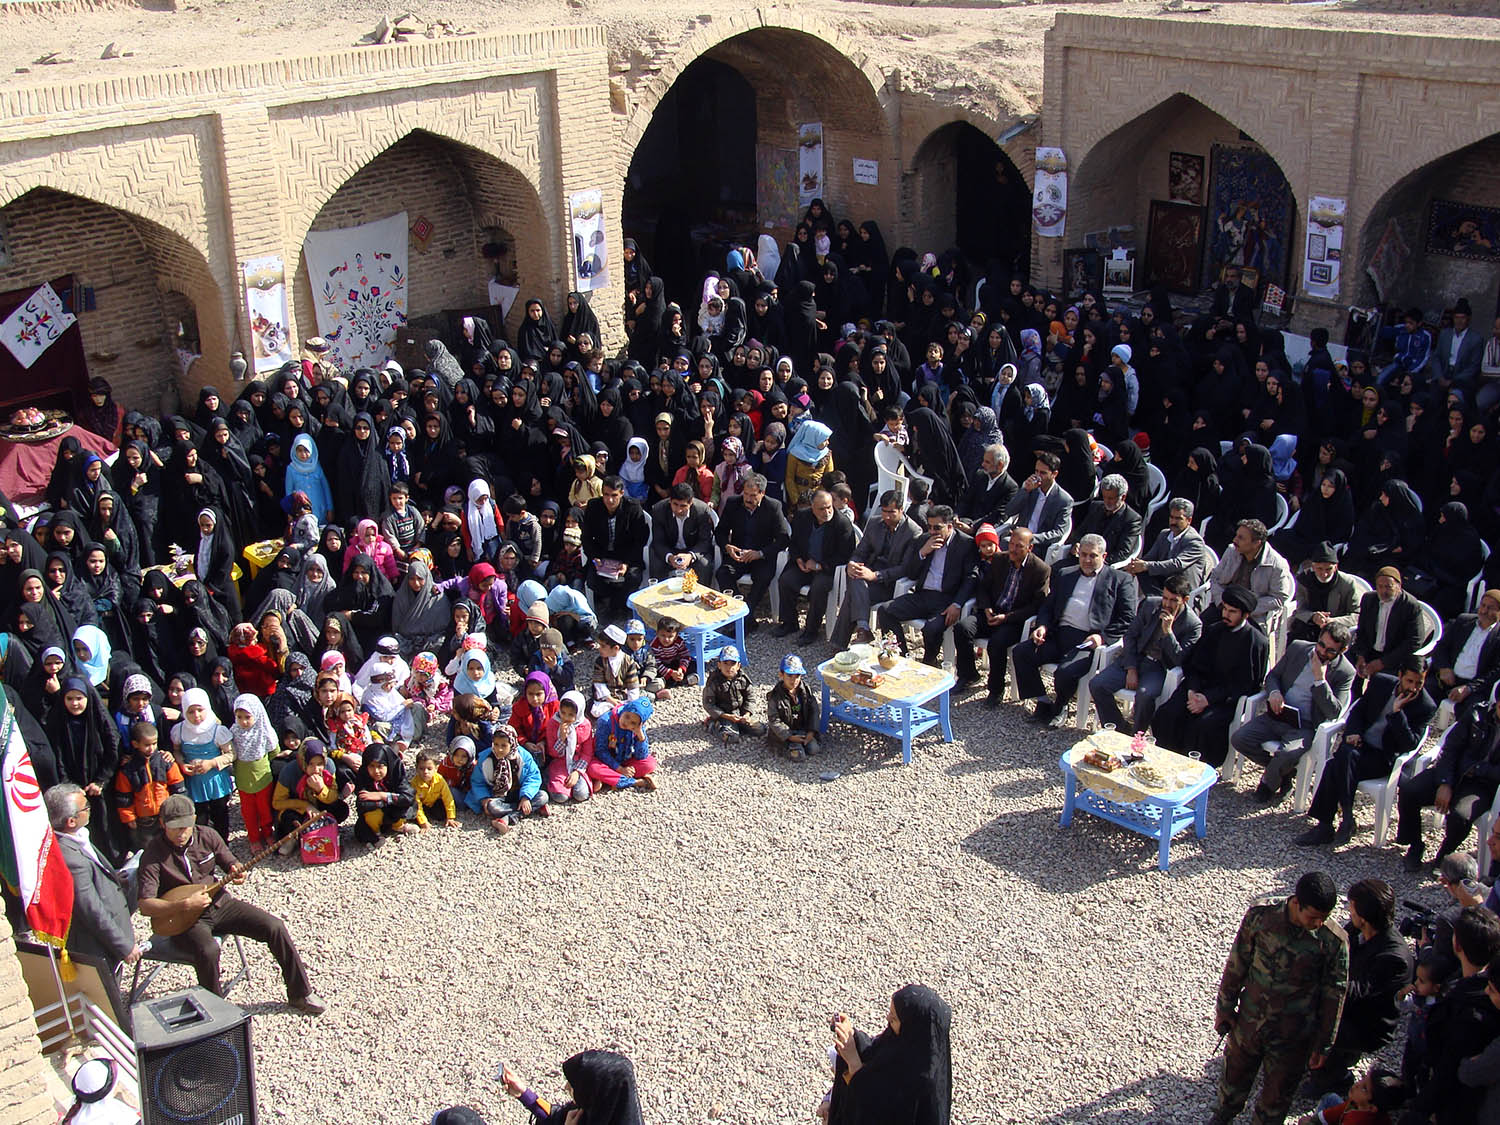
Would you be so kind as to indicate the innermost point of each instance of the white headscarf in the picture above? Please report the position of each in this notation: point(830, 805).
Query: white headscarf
point(566, 744)
point(196, 734)
point(481, 513)
point(260, 740)
point(634, 472)
point(767, 256)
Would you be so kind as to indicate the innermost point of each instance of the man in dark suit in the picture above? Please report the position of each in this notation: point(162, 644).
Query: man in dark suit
point(751, 533)
point(1233, 299)
point(1009, 593)
point(820, 545)
point(1090, 605)
point(682, 535)
point(1467, 659)
point(889, 541)
point(1384, 723)
point(614, 539)
point(990, 491)
point(1108, 516)
point(1178, 550)
point(1159, 638)
point(1390, 625)
point(1313, 680)
point(1042, 505)
point(1228, 661)
point(944, 571)
point(1459, 351)
point(101, 902)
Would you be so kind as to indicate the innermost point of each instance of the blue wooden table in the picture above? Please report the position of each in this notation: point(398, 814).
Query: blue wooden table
point(897, 708)
point(700, 626)
point(1179, 805)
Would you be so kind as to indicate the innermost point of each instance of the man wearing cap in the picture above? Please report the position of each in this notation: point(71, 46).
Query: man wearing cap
point(101, 892)
point(1458, 352)
point(1390, 625)
point(1228, 661)
point(1325, 595)
point(751, 533)
point(186, 854)
point(793, 711)
point(1466, 661)
point(1179, 549)
point(1010, 590)
point(615, 531)
point(682, 535)
point(820, 545)
point(880, 557)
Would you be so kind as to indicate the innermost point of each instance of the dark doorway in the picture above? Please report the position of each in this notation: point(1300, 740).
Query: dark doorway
point(690, 191)
point(993, 205)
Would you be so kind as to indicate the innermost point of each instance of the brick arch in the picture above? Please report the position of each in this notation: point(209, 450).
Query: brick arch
point(828, 41)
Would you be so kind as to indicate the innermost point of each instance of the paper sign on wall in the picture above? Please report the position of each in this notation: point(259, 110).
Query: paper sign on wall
point(1049, 199)
point(1325, 246)
point(590, 259)
point(866, 171)
point(36, 325)
point(265, 308)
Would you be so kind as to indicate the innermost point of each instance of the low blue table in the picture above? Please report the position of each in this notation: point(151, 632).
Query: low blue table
point(1121, 799)
point(896, 708)
point(700, 626)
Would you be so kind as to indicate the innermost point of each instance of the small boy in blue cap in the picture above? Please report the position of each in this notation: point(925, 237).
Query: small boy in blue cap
point(726, 699)
point(793, 711)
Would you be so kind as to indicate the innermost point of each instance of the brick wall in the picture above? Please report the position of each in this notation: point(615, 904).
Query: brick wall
point(50, 233)
point(23, 1093)
point(929, 193)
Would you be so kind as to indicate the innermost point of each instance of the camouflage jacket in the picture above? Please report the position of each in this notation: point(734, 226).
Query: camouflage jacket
point(1285, 982)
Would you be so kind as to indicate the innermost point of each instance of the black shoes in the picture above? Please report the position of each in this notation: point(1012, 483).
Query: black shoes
point(993, 699)
point(1044, 713)
point(1316, 837)
point(1413, 860)
point(1266, 795)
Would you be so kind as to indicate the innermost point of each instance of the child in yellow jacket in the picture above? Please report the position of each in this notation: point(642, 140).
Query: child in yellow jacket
point(434, 798)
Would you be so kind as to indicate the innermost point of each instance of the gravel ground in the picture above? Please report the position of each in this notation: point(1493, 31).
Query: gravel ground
point(708, 929)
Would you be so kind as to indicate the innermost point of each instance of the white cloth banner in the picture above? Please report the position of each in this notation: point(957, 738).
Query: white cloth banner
point(809, 161)
point(1049, 198)
point(1324, 251)
point(36, 325)
point(590, 259)
point(265, 307)
point(358, 278)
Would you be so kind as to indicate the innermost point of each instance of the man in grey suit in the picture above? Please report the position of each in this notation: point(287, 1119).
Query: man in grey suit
point(1314, 678)
point(1459, 350)
point(101, 907)
point(1157, 641)
point(1042, 505)
point(682, 535)
point(1177, 550)
point(879, 559)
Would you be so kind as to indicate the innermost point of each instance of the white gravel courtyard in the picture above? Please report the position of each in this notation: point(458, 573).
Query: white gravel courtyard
point(709, 929)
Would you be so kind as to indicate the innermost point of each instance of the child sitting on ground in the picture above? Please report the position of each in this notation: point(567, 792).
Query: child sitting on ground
point(670, 651)
point(726, 699)
point(616, 680)
point(1370, 1101)
point(793, 711)
point(391, 713)
point(645, 663)
point(572, 616)
point(434, 798)
point(146, 778)
point(556, 662)
point(351, 734)
point(622, 753)
point(567, 562)
point(427, 687)
point(305, 786)
point(507, 783)
point(525, 651)
point(528, 718)
point(570, 751)
point(384, 798)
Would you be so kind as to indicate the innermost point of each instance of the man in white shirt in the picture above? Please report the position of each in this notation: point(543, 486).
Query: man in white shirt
point(1466, 662)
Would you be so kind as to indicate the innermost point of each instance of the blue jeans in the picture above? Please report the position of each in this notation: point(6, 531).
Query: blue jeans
point(1103, 687)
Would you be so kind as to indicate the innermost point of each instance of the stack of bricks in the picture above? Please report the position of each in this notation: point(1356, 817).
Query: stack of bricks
point(23, 1092)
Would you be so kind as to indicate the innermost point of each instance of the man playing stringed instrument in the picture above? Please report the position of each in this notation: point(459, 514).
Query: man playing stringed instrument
point(187, 855)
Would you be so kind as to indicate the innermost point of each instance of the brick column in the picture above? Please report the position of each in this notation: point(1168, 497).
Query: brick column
point(23, 1091)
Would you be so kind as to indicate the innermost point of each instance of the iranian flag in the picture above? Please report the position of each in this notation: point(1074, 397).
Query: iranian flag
point(29, 853)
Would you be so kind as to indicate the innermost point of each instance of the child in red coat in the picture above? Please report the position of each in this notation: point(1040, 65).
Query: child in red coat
point(255, 670)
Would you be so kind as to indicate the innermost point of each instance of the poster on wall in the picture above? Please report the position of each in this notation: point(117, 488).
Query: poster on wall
point(866, 171)
point(590, 261)
point(1324, 251)
point(1464, 230)
point(1185, 177)
point(358, 278)
point(1049, 198)
point(776, 187)
point(1389, 260)
point(1249, 215)
point(809, 161)
point(36, 324)
point(265, 311)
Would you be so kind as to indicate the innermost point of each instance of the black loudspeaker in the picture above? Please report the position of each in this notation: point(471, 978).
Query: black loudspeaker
point(196, 1064)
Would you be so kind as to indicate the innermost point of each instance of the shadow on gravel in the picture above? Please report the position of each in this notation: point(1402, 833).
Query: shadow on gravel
point(1170, 1098)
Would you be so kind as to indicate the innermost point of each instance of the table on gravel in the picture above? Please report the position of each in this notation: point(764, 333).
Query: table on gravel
point(259, 555)
point(700, 625)
point(896, 707)
point(1121, 798)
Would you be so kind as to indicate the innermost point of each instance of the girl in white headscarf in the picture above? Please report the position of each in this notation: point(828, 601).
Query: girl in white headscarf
point(254, 741)
point(482, 521)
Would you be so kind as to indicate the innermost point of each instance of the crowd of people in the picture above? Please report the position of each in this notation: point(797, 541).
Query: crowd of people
point(444, 626)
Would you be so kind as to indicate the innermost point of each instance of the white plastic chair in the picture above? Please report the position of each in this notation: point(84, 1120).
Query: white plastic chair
point(1309, 766)
point(1361, 587)
point(1483, 826)
point(1383, 789)
point(1202, 592)
point(1283, 513)
point(1160, 491)
point(1081, 700)
point(835, 594)
point(743, 582)
point(1476, 584)
point(1103, 658)
point(1434, 629)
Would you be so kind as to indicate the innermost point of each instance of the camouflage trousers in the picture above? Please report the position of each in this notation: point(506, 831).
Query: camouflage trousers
point(1248, 1050)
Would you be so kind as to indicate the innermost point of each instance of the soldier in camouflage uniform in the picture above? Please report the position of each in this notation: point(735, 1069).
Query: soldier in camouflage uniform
point(1280, 998)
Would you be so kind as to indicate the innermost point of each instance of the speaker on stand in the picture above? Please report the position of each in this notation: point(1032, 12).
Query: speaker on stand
point(195, 1060)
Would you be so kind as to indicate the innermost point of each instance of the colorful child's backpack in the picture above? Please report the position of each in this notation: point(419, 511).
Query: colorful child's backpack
point(321, 844)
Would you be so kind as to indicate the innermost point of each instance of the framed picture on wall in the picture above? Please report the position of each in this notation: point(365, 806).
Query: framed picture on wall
point(1082, 269)
point(1174, 245)
point(1185, 177)
point(1119, 277)
point(1464, 230)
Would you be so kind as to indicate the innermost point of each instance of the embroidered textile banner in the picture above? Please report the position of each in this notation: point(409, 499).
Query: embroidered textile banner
point(265, 306)
point(35, 325)
point(358, 278)
point(1049, 198)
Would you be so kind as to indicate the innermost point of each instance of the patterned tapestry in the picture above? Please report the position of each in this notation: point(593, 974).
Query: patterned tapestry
point(1250, 208)
point(358, 279)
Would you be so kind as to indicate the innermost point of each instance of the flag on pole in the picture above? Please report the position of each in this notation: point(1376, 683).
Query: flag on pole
point(32, 858)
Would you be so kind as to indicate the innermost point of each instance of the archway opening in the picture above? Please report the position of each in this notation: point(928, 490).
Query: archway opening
point(719, 163)
point(1434, 236)
point(964, 191)
point(1190, 193)
point(475, 239)
point(147, 303)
